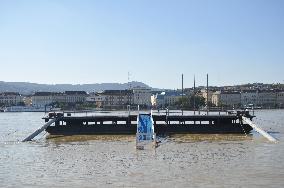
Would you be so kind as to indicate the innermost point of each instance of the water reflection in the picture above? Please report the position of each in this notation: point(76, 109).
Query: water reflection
point(181, 138)
point(184, 138)
point(84, 138)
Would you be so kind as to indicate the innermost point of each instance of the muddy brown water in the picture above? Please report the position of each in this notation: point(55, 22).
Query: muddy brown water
point(112, 161)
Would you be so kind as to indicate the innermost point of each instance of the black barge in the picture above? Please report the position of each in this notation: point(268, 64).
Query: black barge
point(163, 124)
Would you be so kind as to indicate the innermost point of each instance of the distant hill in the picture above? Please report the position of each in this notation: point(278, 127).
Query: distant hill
point(29, 88)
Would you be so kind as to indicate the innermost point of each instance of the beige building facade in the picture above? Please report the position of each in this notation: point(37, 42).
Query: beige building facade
point(226, 99)
point(10, 98)
point(41, 99)
point(142, 96)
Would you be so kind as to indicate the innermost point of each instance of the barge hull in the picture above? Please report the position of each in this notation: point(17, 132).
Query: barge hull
point(159, 129)
point(197, 124)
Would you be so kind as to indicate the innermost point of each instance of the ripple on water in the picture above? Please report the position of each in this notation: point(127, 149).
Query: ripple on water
point(113, 161)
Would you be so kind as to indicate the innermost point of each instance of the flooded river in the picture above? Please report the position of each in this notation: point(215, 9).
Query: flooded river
point(113, 161)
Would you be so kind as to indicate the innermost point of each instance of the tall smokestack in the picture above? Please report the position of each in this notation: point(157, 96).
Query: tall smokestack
point(194, 95)
point(207, 101)
point(182, 92)
point(182, 84)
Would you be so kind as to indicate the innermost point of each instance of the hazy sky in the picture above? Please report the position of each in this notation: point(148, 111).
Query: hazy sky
point(96, 41)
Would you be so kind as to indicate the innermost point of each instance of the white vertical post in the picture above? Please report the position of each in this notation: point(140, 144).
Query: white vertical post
point(128, 108)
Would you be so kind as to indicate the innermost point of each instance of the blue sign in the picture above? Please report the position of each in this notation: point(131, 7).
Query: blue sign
point(145, 128)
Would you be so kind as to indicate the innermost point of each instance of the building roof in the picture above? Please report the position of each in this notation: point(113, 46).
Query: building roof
point(47, 93)
point(60, 94)
point(9, 94)
point(141, 88)
point(117, 92)
point(231, 92)
point(75, 92)
point(249, 91)
point(266, 91)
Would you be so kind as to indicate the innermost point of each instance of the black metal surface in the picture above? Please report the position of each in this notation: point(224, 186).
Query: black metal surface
point(215, 124)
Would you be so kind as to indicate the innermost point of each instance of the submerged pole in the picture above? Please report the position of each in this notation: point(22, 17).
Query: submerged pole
point(259, 130)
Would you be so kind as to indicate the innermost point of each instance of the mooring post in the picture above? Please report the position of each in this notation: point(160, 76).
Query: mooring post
point(168, 112)
point(128, 108)
point(166, 119)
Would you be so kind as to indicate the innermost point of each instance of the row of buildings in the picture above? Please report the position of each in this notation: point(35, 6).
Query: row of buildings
point(118, 99)
point(41, 98)
point(47, 98)
point(245, 98)
point(106, 99)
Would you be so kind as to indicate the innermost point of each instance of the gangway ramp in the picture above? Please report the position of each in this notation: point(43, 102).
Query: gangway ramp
point(258, 129)
point(39, 130)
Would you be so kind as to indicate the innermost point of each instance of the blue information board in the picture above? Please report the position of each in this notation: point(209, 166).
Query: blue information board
point(145, 127)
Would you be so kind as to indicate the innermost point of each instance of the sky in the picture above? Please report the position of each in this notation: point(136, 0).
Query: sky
point(100, 41)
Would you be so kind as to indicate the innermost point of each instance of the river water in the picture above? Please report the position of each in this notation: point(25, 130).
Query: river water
point(113, 161)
